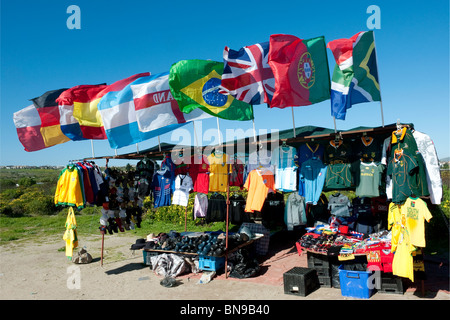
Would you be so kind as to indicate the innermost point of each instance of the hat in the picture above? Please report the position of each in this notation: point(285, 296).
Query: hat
point(140, 243)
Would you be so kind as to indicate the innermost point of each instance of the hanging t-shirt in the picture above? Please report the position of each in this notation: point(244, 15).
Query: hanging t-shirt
point(237, 173)
point(69, 189)
point(295, 213)
point(370, 179)
point(161, 185)
point(283, 160)
point(308, 151)
point(312, 175)
point(218, 172)
point(337, 152)
point(339, 205)
point(427, 149)
point(183, 185)
point(200, 205)
point(367, 149)
point(237, 210)
point(416, 212)
point(199, 172)
point(402, 169)
point(258, 184)
point(273, 209)
point(168, 164)
point(260, 159)
point(217, 208)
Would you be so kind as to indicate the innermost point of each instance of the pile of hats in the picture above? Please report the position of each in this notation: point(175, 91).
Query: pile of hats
point(205, 244)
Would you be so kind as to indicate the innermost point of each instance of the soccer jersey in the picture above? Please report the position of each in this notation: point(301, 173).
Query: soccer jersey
point(199, 172)
point(283, 160)
point(416, 212)
point(258, 184)
point(370, 178)
point(170, 166)
point(258, 160)
point(69, 189)
point(183, 185)
point(402, 169)
point(312, 175)
point(339, 205)
point(337, 152)
point(237, 173)
point(367, 149)
point(161, 186)
point(218, 172)
point(339, 176)
point(308, 151)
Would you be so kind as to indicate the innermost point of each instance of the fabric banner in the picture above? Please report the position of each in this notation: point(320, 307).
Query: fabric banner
point(247, 75)
point(48, 110)
point(28, 126)
point(195, 84)
point(301, 71)
point(355, 76)
point(144, 109)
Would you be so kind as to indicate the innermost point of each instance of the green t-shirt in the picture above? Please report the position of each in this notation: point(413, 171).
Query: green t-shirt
point(369, 181)
point(403, 170)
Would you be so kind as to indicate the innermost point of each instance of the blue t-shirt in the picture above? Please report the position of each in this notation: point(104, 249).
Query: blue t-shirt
point(161, 186)
point(312, 175)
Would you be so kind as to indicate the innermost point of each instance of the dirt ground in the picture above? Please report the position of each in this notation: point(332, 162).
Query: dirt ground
point(40, 271)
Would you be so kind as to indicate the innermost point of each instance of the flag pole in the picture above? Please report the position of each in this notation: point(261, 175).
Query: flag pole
point(159, 144)
point(218, 130)
point(137, 148)
point(254, 130)
point(334, 118)
point(195, 133)
point(293, 122)
point(378, 73)
point(92, 148)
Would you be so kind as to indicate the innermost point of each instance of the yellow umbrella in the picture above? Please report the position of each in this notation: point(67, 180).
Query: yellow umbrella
point(70, 235)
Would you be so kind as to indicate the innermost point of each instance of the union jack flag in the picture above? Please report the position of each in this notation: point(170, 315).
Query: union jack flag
point(247, 75)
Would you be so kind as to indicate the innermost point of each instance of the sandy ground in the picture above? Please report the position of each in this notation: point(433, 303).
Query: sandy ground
point(40, 271)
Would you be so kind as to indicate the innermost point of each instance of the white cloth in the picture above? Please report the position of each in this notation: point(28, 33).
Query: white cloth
point(427, 149)
point(200, 205)
point(183, 185)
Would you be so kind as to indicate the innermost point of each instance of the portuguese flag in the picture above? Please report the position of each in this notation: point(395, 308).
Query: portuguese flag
point(301, 71)
point(195, 84)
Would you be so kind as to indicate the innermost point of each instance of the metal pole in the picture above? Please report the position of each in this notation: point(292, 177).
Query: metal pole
point(195, 133)
point(218, 130)
point(159, 144)
point(334, 118)
point(254, 130)
point(293, 121)
point(92, 148)
point(228, 211)
point(137, 148)
point(378, 73)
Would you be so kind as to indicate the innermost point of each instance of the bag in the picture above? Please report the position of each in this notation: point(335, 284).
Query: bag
point(82, 257)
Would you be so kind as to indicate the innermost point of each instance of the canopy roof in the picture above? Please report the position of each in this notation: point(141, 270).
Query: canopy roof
point(293, 137)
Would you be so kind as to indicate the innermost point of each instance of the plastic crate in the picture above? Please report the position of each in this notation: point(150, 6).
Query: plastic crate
point(300, 281)
point(210, 263)
point(325, 282)
point(355, 284)
point(391, 284)
point(318, 260)
point(147, 256)
point(323, 272)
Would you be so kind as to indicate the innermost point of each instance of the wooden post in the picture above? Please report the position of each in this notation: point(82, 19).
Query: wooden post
point(228, 211)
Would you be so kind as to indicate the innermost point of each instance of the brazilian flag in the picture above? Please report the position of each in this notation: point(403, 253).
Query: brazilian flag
point(195, 84)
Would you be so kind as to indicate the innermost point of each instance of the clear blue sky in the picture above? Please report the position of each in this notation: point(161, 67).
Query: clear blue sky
point(121, 38)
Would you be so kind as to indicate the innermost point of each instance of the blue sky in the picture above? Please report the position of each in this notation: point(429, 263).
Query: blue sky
point(121, 38)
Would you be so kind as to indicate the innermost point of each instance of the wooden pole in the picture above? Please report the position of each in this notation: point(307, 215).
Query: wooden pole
point(228, 211)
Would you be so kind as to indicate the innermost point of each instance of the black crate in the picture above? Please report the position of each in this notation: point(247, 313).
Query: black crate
point(300, 281)
point(325, 282)
point(323, 272)
point(391, 284)
point(316, 260)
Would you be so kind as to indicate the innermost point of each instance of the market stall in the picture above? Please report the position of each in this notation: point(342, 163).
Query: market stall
point(343, 188)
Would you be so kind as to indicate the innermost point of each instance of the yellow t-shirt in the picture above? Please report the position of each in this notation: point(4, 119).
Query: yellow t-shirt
point(218, 172)
point(258, 185)
point(69, 191)
point(402, 264)
point(416, 212)
point(394, 223)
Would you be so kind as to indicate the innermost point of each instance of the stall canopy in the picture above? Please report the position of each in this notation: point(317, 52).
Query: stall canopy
point(293, 137)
